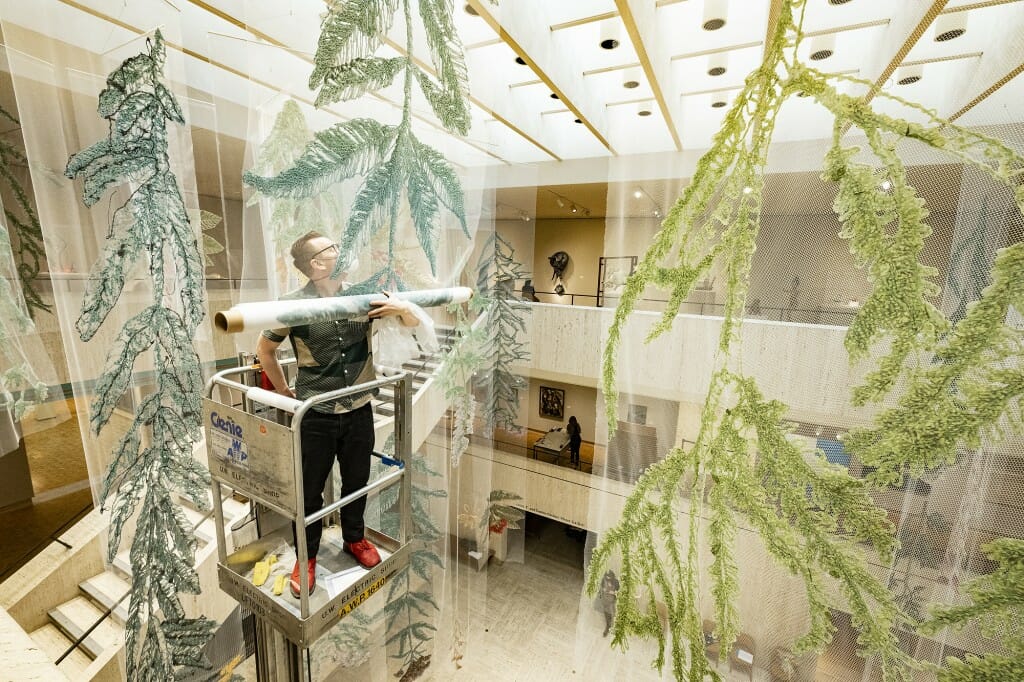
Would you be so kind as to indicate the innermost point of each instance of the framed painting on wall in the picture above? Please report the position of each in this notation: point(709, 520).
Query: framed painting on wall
point(552, 402)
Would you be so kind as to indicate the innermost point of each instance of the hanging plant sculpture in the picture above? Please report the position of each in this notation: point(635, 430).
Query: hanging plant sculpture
point(410, 610)
point(488, 346)
point(29, 252)
point(505, 323)
point(154, 457)
point(290, 218)
point(20, 385)
point(742, 461)
point(997, 604)
point(392, 161)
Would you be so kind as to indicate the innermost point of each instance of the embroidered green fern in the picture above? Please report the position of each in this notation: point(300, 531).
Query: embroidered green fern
point(206, 221)
point(292, 218)
point(154, 457)
point(742, 461)
point(997, 605)
point(390, 158)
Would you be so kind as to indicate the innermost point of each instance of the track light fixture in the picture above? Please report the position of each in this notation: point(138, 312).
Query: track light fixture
point(519, 213)
point(574, 208)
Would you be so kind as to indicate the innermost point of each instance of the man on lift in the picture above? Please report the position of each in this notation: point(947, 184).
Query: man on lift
point(331, 355)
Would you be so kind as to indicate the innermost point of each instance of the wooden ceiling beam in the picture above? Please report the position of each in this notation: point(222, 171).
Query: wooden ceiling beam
point(635, 14)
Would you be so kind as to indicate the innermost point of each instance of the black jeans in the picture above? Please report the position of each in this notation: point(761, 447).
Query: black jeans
point(347, 438)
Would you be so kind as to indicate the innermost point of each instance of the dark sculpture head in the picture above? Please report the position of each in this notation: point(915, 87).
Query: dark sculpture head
point(559, 261)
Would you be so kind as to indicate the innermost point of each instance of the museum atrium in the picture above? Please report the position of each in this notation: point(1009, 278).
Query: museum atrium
point(714, 373)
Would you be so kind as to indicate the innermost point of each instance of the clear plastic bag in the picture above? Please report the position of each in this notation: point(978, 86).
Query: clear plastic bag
point(395, 344)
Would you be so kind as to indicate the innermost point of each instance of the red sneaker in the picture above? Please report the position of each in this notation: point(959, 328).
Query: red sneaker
point(293, 584)
point(364, 552)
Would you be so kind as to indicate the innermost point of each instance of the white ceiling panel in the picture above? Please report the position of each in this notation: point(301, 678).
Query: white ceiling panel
point(564, 11)
point(691, 74)
point(680, 26)
point(635, 134)
point(821, 15)
point(583, 42)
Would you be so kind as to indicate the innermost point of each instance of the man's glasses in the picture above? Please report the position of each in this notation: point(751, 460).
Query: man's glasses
point(335, 247)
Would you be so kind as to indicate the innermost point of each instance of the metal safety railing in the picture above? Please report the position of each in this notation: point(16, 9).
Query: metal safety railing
point(274, 479)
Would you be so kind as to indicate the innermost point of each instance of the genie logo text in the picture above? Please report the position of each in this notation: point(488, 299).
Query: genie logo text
point(226, 440)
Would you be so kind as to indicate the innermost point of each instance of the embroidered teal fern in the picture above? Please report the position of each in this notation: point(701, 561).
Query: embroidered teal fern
point(742, 463)
point(29, 251)
point(409, 613)
point(390, 158)
point(154, 457)
point(505, 325)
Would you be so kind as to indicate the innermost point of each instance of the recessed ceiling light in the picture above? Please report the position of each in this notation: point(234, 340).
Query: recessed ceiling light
point(576, 120)
point(823, 47)
point(637, 193)
point(470, 11)
point(520, 61)
point(629, 85)
point(553, 96)
point(950, 26)
point(644, 112)
point(718, 63)
point(886, 185)
point(715, 12)
point(748, 189)
point(608, 34)
point(718, 103)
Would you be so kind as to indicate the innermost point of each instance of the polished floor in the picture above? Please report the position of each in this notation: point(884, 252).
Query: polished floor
point(527, 620)
point(60, 483)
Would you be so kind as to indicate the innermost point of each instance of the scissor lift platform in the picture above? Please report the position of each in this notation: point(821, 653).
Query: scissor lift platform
point(255, 448)
point(342, 584)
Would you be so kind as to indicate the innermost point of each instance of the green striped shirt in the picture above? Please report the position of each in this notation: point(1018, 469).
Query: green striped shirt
point(330, 355)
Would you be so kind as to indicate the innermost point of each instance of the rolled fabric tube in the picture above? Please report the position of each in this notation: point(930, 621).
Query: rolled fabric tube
point(274, 314)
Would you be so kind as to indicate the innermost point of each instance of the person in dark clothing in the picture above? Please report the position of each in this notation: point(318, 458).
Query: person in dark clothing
point(575, 440)
point(330, 355)
point(529, 292)
point(609, 591)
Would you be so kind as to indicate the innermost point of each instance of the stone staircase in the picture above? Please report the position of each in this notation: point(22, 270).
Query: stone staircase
point(421, 370)
point(95, 618)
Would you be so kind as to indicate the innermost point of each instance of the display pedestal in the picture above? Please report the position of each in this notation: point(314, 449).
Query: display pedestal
point(498, 545)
